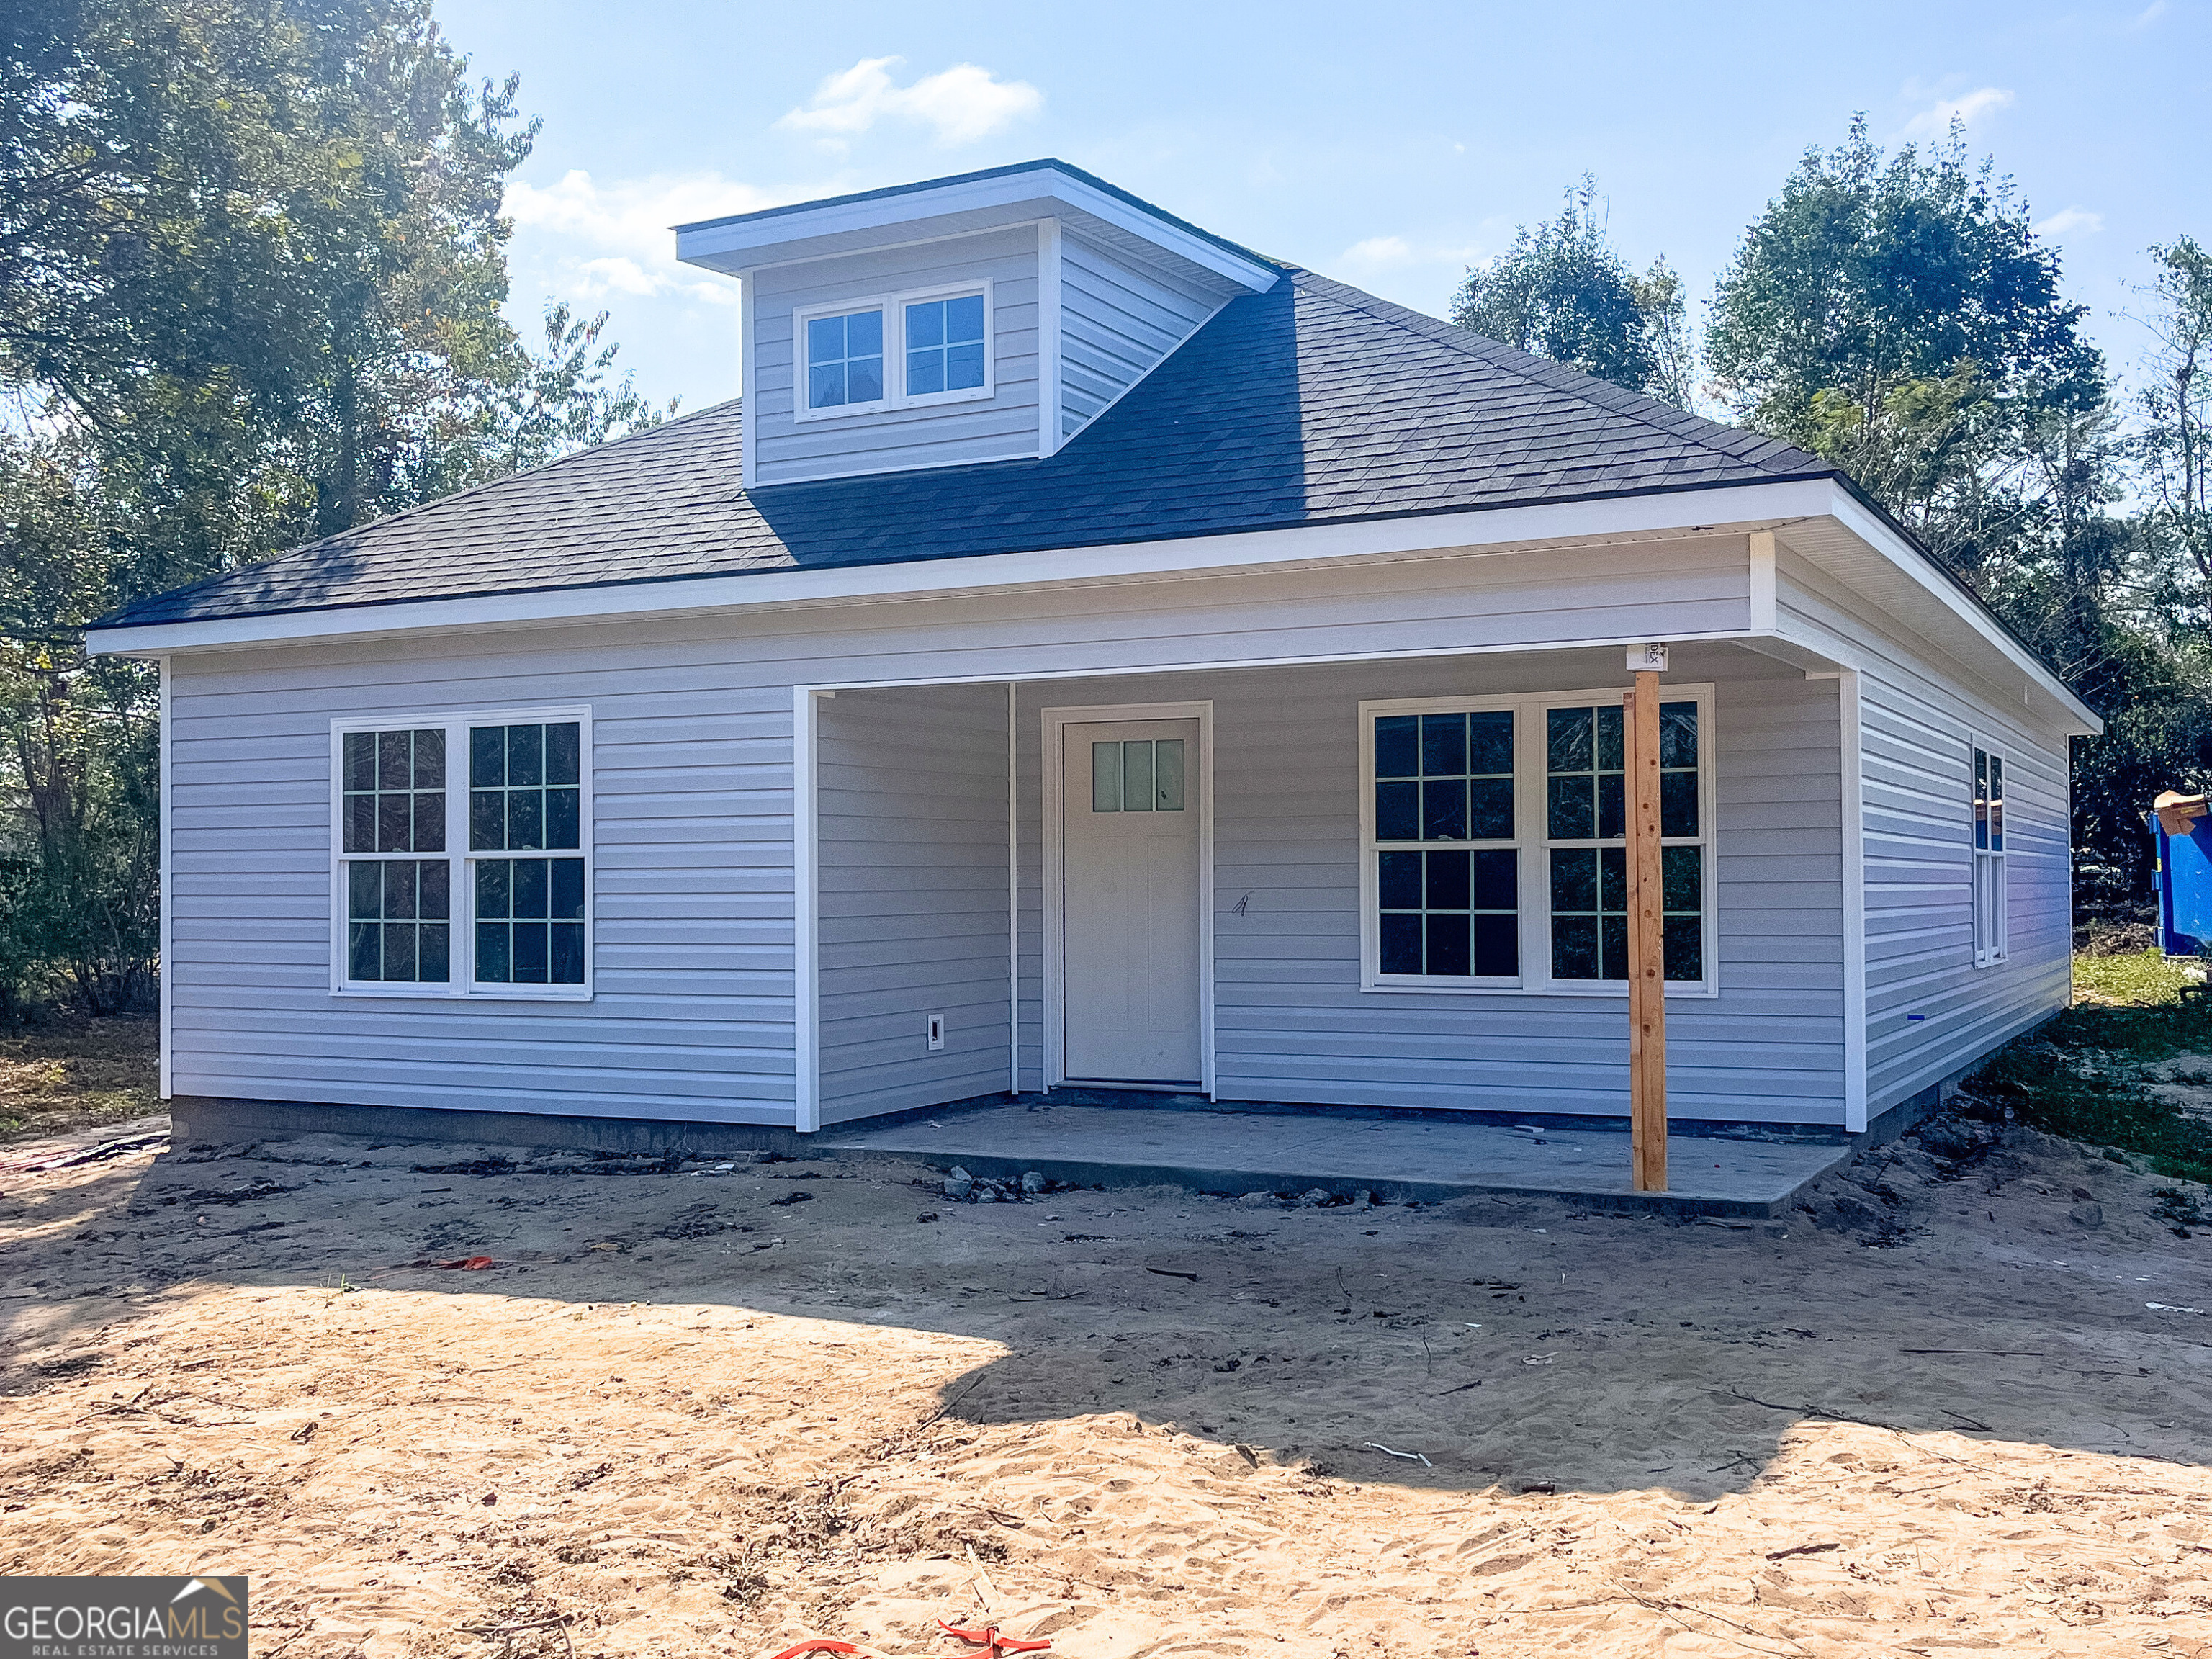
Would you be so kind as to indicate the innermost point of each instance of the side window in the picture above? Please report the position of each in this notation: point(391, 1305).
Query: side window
point(477, 821)
point(1986, 788)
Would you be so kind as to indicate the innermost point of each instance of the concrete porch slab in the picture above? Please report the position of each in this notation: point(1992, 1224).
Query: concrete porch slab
point(1397, 1158)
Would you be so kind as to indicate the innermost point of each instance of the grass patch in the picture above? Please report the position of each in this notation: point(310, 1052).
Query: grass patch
point(78, 1075)
point(2136, 979)
point(2081, 1075)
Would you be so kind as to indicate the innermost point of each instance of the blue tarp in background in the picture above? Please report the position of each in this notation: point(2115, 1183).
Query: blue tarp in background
point(2184, 889)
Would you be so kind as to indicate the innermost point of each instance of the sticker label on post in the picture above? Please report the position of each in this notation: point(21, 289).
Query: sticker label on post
point(1647, 658)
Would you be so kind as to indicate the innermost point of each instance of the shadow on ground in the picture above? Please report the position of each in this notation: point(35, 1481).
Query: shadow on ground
point(1512, 1342)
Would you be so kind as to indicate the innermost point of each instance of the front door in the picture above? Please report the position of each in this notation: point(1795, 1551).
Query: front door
point(1129, 904)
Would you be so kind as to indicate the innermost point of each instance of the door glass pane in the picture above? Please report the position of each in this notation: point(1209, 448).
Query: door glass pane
point(1105, 777)
point(1167, 774)
point(1136, 777)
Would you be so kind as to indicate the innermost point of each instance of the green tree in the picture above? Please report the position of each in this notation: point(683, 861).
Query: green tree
point(1561, 291)
point(2176, 409)
point(1899, 316)
point(252, 267)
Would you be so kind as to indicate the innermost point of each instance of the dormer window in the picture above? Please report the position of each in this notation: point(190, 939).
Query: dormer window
point(845, 360)
point(895, 351)
point(944, 346)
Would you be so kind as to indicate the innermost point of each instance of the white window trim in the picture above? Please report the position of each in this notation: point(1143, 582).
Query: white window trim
point(893, 306)
point(462, 987)
point(1989, 934)
point(1534, 885)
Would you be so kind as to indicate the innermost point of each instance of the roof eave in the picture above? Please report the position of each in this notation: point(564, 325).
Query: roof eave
point(1720, 508)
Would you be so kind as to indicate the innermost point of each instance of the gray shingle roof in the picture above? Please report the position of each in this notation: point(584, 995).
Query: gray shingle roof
point(1311, 404)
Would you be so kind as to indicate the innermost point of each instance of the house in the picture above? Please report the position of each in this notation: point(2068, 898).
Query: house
point(1092, 652)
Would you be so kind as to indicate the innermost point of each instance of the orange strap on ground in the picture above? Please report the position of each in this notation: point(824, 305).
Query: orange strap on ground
point(816, 1644)
point(988, 1636)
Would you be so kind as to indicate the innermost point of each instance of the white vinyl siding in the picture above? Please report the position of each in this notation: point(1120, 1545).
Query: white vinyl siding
point(912, 854)
point(691, 1016)
point(1118, 317)
point(896, 435)
point(1929, 1011)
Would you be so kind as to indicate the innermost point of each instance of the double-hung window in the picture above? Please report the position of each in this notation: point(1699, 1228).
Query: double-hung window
point(462, 863)
point(1986, 787)
point(1496, 848)
point(896, 351)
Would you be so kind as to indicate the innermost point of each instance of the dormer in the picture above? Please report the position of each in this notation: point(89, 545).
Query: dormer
point(989, 317)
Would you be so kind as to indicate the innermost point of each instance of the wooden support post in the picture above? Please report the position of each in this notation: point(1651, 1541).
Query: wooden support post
point(1647, 958)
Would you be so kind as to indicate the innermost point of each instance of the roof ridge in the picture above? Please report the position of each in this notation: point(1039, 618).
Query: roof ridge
point(1733, 441)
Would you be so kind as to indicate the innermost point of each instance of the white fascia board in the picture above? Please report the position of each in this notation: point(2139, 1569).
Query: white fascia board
point(1500, 529)
point(1847, 511)
point(732, 248)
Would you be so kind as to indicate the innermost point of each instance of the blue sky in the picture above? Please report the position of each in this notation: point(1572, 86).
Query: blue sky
point(1389, 145)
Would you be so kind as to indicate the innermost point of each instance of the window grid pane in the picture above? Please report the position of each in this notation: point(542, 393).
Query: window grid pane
point(393, 797)
point(1444, 777)
point(525, 787)
point(944, 346)
point(1452, 914)
point(398, 925)
point(529, 922)
point(845, 360)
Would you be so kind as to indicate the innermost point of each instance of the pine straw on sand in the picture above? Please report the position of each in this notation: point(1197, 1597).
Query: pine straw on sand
point(75, 1074)
point(693, 1416)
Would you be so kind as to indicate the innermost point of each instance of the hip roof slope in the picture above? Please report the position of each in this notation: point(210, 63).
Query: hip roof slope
point(1311, 404)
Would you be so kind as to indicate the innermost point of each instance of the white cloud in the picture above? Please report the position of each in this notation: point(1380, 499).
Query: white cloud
point(2072, 218)
point(959, 105)
point(1376, 253)
point(1968, 109)
point(615, 239)
point(1379, 258)
point(2148, 15)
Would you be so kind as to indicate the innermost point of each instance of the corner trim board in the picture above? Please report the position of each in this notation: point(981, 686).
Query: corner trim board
point(1048, 330)
point(166, 988)
point(805, 913)
point(1855, 943)
point(1013, 888)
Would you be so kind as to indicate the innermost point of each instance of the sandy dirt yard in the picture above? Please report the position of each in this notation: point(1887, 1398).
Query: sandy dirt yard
point(1964, 1404)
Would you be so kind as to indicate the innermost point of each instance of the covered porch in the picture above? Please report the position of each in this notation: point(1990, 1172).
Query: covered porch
point(981, 918)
